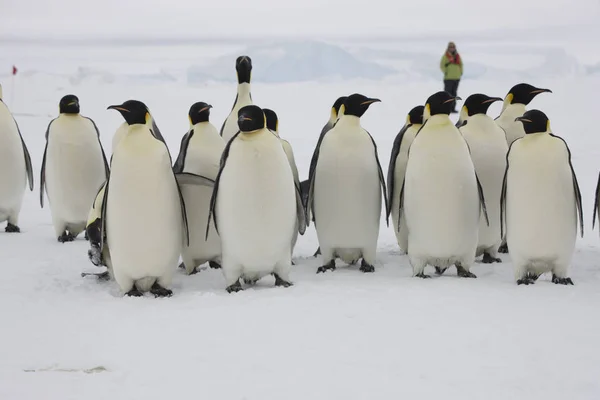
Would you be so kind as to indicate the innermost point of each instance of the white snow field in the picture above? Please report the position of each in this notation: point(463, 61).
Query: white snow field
point(340, 335)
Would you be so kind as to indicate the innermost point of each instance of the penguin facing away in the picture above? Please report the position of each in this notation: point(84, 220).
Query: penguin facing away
point(541, 202)
point(74, 167)
point(143, 213)
point(15, 169)
point(255, 204)
point(347, 167)
point(200, 154)
point(397, 169)
point(487, 143)
point(243, 67)
point(441, 198)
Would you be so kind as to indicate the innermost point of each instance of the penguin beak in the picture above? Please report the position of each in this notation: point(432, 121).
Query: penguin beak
point(492, 100)
point(205, 108)
point(370, 101)
point(118, 108)
point(522, 119)
point(73, 103)
point(538, 91)
point(244, 118)
point(452, 99)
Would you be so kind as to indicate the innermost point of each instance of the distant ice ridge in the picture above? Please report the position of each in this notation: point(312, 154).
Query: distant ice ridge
point(292, 61)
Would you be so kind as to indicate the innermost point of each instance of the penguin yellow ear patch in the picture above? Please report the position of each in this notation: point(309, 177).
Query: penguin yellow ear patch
point(509, 98)
point(342, 110)
point(548, 129)
point(147, 117)
point(190, 119)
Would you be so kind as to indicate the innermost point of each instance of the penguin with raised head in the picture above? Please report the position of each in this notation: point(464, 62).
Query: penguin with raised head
point(255, 204)
point(74, 167)
point(273, 126)
point(441, 198)
point(243, 67)
point(397, 169)
point(200, 154)
point(143, 213)
point(346, 189)
point(541, 203)
point(488, 146)
point(15, 169)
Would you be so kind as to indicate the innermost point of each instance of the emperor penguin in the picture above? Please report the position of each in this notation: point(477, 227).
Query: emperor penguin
point(541, 202)
point(346, 190)
point(143, 213)
point(74, 167)
point(397, 169)
point(488, 146)
point(243, 67)
point(200, 154)
point(273, 125)
point(255, 204)
point(441, 198)
point(15, 169)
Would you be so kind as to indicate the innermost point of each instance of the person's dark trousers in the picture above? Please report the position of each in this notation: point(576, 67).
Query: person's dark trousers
point(451, 86)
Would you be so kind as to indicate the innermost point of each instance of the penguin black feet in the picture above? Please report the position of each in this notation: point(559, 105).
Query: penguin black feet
point(327, 267)
point(562, 281)
point(526, 281)
point(182, 265)
point(463, 273)
point(249, 281)
point(440, 271)
point(488, 259)
point(214, 265)
point(503, 248)
point(66, 237)
point(10, 228)
point(422, 275)
point(159, 291)
point(281, 282)
point(234, 288)
point(366, 267)
point(317, 252)
point(134, 292)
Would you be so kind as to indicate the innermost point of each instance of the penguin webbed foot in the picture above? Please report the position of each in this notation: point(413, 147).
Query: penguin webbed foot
point(10, 228)
point(158, 291)
point(440, 271)
point(235, 287)
point(330, 266)
point(214, 265)
point(102, 276)
point(318, 252)
point(134, 292)
point(463, 273)
point(562, 281)
point(503, 249)
point(281, 282)
point(66, 237)
point(366, 267)
point(249, 281)
point(525, 281)
point(422, 275)
point(488, 259)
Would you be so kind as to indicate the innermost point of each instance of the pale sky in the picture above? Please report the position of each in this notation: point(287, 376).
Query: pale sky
point(210, 18)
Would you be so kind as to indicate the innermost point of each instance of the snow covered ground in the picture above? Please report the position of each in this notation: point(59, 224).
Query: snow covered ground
point(341, 335)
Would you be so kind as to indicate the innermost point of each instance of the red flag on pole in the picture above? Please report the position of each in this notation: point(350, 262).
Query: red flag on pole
point(14, 70)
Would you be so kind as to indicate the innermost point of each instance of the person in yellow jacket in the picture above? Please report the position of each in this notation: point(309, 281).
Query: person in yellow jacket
point(452, 67)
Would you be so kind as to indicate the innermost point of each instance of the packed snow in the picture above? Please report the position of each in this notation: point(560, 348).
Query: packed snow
point(339, 335)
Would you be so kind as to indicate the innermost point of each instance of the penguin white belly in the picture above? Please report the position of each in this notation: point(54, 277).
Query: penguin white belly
point(143, 221)
point(488, 152)
point(540, 207)
point(256, 208)
point(441, 200)
point(347, 195)
point(74, 170)
point(13, 175)
point(514, 129)
point(231, 123)
point(399, 172)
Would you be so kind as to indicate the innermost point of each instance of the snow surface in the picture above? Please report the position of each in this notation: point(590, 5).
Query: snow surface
point(341, 335)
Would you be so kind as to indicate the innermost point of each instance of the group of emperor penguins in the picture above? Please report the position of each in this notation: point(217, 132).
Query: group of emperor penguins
point(233, 199)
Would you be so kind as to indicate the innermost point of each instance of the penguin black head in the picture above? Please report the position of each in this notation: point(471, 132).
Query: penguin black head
point(534, 121)
point(440, 103)
point(134, 111)
point(415, 116)
point(357, 104)
point(199, 112)
point(69, 104)
point(272, 121)
point(243, 66)
point(338, 103)
point(478, 103)
point(523, 93)
point(251, 118)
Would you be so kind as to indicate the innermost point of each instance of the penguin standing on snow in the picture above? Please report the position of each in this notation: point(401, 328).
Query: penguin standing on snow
point(441, 198)
point(255, 204)
point(143, 213)
point(345, 195)
point(243, 67)
point(200, 154)
point(15, 169)
point(74, 167)
point(487, 143)
point(273, 126)
point(397, 169)
point(540, 202)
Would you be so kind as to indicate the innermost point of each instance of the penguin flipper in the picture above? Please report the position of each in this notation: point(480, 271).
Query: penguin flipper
point(27, 156)
point(482, 205)
point(304, 187)
point(503, 196)
point(382, 181)
point(106, 167)
point(596, 205)
point(180, 161)
point(43, 167)
point(311, 174)
point(103, 215)
point(187, 178)
point(300, 211)
point(392, 166)
point(460, 123)
point(400, 205)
